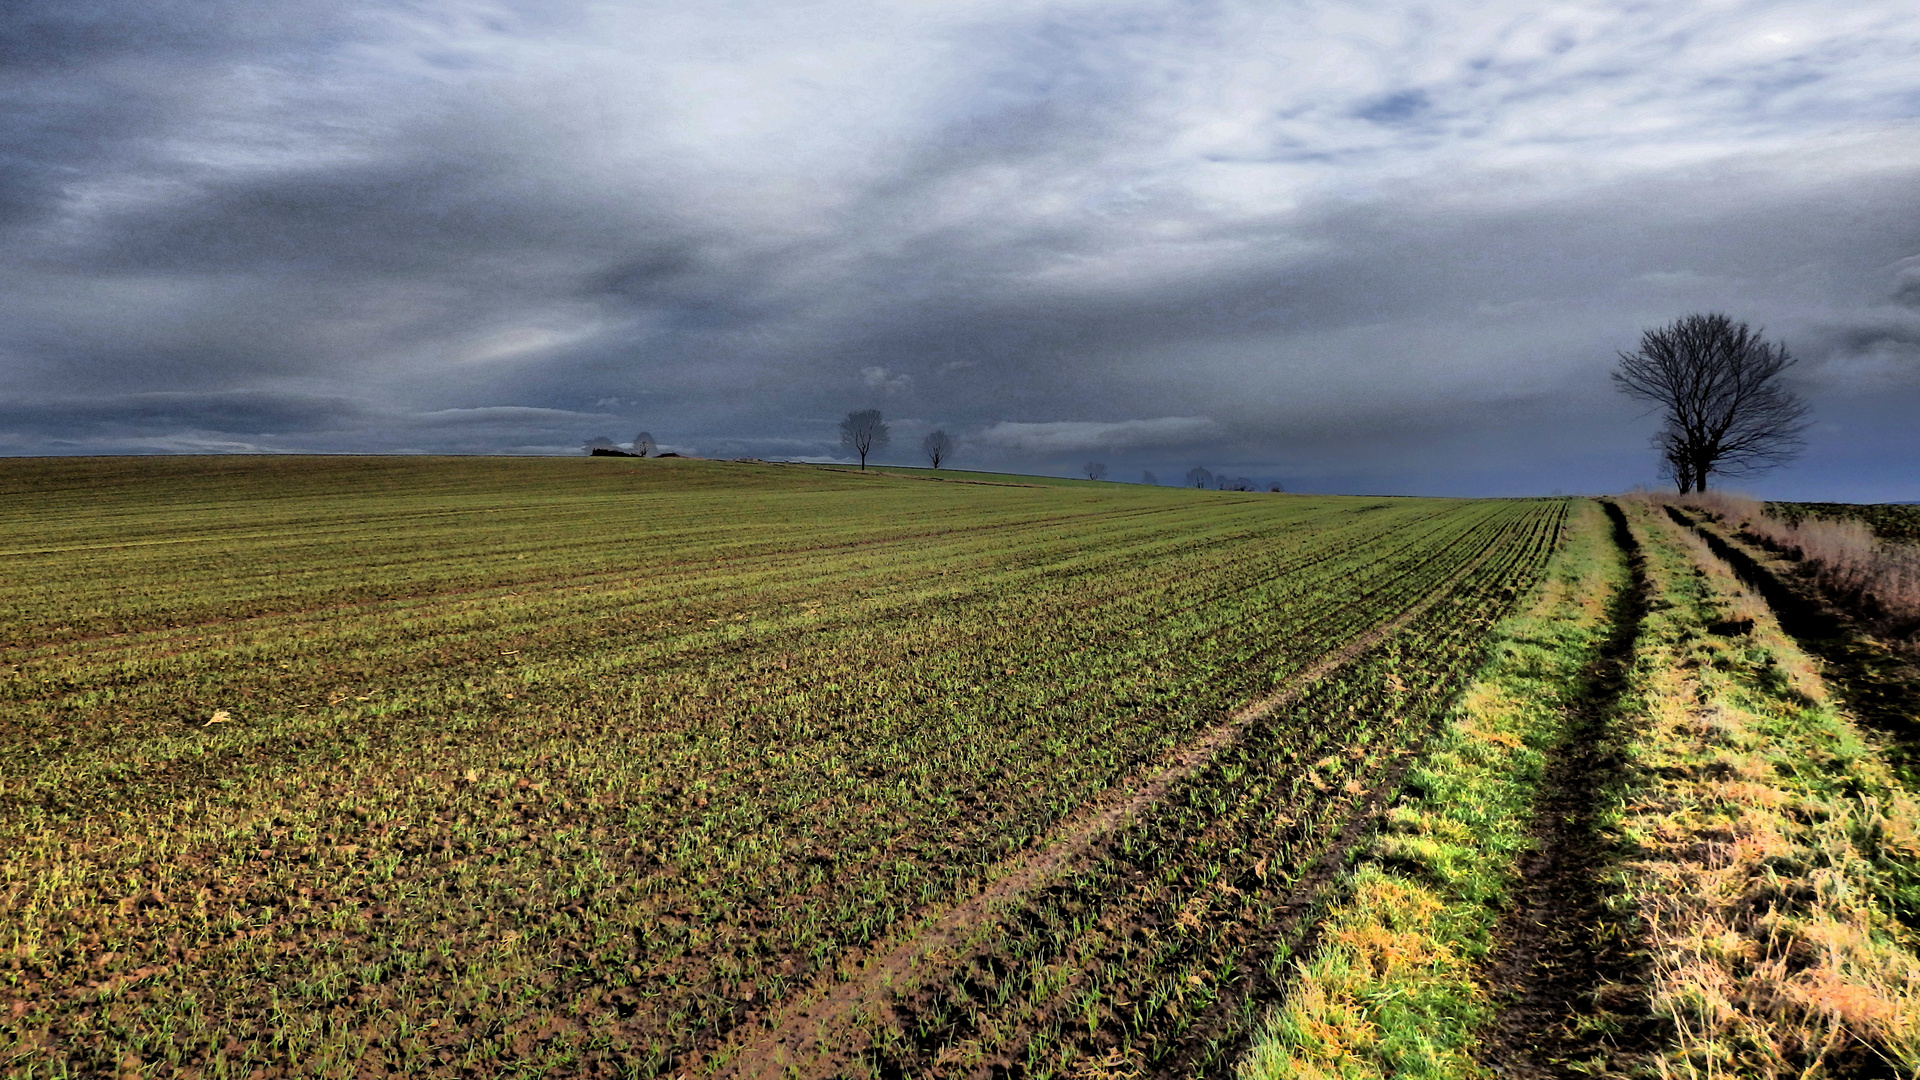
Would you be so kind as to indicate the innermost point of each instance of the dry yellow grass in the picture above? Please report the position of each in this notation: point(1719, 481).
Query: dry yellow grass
point(1761, 836)
point(1876, 578)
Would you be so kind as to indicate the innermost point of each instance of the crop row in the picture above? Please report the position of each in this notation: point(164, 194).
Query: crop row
point(1159, 954)
point(598, 811)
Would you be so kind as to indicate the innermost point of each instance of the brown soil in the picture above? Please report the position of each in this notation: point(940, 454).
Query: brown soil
point(1559, 947)
point(819, 1033)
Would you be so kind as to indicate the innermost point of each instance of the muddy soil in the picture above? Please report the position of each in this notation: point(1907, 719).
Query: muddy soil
point(1558, 951)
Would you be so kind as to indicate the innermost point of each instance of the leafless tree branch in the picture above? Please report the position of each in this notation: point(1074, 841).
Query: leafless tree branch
point(1726, 410)
point(864, 432)
point(938, 446)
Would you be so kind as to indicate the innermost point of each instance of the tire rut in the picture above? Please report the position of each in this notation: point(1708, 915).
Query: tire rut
point(815, 1034)
point(1558, 945)
point(1877, 686)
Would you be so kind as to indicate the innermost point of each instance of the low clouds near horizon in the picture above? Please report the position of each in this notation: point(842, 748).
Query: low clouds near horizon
point(1349, 247)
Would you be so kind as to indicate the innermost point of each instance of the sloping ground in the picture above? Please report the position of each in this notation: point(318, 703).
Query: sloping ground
point(590, 767)
point(1755, 861)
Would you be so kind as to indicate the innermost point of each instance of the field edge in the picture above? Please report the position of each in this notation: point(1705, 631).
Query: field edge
point(1396, 985)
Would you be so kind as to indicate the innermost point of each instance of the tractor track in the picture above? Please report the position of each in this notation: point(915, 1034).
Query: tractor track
point(817, 1033)
point(1878, 686)
point(1558, 945)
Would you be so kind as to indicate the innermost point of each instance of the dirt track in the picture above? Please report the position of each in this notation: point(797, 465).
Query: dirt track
point(1558, 945)
point(1879, 686)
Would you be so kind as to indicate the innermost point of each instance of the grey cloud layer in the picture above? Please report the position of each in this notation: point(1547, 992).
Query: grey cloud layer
point(1347, 245)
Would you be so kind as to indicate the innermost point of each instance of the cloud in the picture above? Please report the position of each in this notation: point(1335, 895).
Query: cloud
point(1384, 243)
point(1072, 436)
point(262, 421)
point(247, 412)
point(1395, 108)
point(1906, 277)
point(884, 381)
point(499, 415)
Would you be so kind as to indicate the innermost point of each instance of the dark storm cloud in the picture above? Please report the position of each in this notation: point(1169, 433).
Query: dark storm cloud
point(1906, 282)
point(1374, 248)
point(83, 85)
point(254, 421)
point(246, 412)
point(1894, 329)
point(1395, 108)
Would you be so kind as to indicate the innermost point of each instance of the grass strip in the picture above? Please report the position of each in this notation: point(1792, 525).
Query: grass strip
point(1392, 989)
point(1767, 854)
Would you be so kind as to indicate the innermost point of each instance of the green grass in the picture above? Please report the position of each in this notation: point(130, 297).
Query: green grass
point(1394, 991)
point(1766, 851)
point(1762, 860)
point(1155, 953)
point(571, 765)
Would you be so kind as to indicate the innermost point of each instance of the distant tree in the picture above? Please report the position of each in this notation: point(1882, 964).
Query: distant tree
point(1275, 486)
point(1095, 470)
point(938, 446)
point(1243, 484)
point(598, 442)
point(1199, 476)
point(643, 444)
point(1147, 477)
point(1724, 408)
point(863, 432)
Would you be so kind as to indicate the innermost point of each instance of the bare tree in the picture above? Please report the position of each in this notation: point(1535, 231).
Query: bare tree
point(1276, 486)
point(643, 444)
point(598, 442)
point(938, 446)
point(1675, 465)
point(863, 432)
point(1725, 409)
point(1095, 470)
point(1147, 477)
point(1199, 476)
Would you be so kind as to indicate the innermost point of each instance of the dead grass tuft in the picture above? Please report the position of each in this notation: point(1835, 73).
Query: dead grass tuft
point(1880, 579)
point(1761, 838)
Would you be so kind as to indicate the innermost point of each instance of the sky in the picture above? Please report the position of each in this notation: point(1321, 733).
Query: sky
point(1352, 247)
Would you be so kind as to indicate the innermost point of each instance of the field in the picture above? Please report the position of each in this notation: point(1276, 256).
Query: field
point(633, 767)
point(1656, 836)
point(1889, 521)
